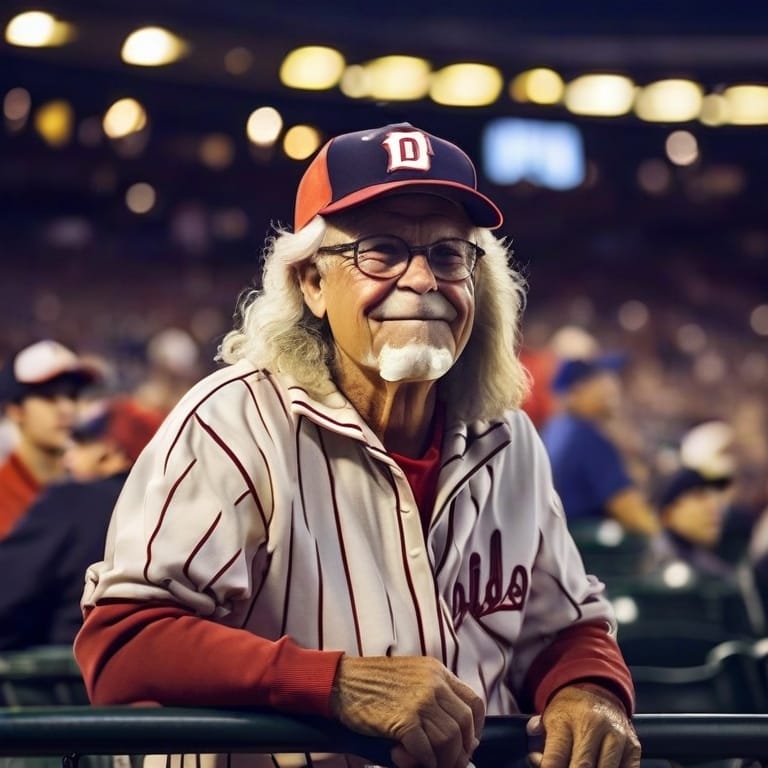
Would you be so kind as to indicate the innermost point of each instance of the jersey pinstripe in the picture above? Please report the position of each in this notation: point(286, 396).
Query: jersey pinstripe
point(261, 507)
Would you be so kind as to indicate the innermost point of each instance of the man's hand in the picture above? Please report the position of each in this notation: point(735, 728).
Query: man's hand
point(585, 725)
point(436, 719)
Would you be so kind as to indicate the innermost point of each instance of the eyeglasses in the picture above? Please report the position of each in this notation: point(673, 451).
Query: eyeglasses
point(388, 256)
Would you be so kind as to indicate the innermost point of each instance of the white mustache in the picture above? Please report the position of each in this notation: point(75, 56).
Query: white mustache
point(402, 306)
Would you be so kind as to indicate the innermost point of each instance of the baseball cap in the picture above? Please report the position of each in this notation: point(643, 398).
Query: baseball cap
point(709, 448)
point(122, 420)
point(356, 167)
point(572, 371)
point(41, 363)
point(687, 479)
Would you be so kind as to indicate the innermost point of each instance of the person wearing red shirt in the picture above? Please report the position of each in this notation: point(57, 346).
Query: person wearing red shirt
point(64, 530)
point(39, 389)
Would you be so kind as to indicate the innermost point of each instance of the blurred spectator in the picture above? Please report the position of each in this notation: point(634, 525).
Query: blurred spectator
point(590, 473)
point(541, 361)
point(109, 436)
point(173, 365)
point(692, 507)
point(712, 448)
point(696, 501)
point(45, 557)
point(39, 389)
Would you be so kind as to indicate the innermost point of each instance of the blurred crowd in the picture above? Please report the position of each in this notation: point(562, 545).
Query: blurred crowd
point(682, 355)
point(691, 354)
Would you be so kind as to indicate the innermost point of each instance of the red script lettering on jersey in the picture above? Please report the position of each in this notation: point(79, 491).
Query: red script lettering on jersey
point(495, 596)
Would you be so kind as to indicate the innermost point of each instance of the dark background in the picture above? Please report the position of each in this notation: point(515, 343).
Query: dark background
point(76, 264)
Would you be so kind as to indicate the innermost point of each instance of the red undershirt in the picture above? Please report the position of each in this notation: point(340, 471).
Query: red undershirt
point(422, 472)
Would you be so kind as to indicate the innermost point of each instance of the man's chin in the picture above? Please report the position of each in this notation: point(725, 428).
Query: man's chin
point(414, 362)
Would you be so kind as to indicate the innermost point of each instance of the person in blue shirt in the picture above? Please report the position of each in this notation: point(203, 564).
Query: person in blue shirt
point(590, 473)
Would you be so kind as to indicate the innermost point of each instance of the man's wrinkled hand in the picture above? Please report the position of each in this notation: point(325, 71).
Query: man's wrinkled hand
point(584, 725)
point(435, 719)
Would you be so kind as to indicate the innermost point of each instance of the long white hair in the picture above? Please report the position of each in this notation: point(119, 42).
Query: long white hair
point(275, 330)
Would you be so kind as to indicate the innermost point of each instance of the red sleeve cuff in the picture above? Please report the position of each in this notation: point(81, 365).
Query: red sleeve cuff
point(301, 680)
point(582, 653)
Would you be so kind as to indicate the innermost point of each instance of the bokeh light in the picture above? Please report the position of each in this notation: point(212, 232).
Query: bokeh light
point(140, 197)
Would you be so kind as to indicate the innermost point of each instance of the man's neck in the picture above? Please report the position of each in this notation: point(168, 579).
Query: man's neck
point(400, 413)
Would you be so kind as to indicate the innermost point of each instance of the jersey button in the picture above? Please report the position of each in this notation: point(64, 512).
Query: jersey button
point(405, 511)
point(415, 552)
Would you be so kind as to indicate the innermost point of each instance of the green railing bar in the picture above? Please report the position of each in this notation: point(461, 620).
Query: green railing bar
point(86, 730)
point(158, 730)
point(682, 737)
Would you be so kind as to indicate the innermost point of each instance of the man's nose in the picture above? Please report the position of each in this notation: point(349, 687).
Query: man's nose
point(418, 276)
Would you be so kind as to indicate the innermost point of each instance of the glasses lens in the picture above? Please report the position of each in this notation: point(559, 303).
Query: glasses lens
point(388, 256)
point(382, 256)
point(452, 259)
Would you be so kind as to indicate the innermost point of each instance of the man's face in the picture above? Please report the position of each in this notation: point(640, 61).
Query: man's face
point(410, 328)
point(600, 395)
point(698, 515)
point(85, 459)
point(45, 417)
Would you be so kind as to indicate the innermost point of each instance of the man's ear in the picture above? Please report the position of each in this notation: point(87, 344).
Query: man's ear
point(311, 284)
point(14, 413)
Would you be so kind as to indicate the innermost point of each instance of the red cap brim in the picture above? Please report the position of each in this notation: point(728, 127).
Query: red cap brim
point(480, 209)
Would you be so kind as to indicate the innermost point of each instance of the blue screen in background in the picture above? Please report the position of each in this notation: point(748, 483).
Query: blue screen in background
point(548, 154)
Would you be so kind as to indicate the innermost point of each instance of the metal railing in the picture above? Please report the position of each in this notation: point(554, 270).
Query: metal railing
point(68, 732)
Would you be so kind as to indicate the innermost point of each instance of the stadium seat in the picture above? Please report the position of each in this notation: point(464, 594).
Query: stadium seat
point(727, 682)
point(672, 643)
point(43, 676)
point(706, 600)
point(608, 550)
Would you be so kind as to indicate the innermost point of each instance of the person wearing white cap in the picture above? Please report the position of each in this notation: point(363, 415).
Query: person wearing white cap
point(353, 518)
point(39, 389)
point(63, 531)
point(692, 507)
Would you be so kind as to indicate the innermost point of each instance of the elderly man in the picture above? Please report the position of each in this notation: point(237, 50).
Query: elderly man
point(353, 518)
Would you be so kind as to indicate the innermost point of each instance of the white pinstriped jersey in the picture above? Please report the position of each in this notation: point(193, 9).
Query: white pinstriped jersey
point(261, 507)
